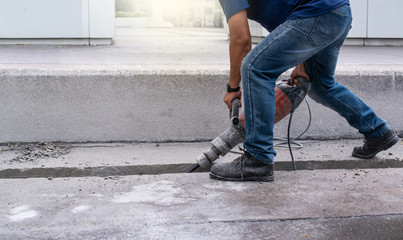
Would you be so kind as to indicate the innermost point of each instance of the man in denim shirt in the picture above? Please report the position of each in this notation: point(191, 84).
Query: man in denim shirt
point(307, 35)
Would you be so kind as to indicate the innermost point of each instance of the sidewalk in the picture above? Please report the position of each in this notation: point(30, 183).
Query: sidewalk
point(176, 47)
point(162, 85)
point(339, 197)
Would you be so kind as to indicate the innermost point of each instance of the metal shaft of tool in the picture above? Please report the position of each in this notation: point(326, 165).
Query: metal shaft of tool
point(193, 168)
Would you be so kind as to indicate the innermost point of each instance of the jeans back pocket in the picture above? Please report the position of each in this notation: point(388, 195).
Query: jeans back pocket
point(329, 27)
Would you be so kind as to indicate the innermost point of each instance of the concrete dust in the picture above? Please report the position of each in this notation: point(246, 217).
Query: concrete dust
point(159, 193)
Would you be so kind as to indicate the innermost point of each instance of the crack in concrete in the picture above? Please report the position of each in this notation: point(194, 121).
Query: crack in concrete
point(102, 171)
point(297, 219)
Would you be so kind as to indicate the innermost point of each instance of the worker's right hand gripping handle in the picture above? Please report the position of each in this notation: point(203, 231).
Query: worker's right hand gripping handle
point(304, 83)
point(303, 87)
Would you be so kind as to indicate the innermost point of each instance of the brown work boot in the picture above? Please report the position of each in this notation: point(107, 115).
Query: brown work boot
point(372, 147)
point(243, 168)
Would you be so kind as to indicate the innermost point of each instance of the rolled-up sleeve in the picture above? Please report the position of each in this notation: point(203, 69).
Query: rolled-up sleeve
point(231, 7)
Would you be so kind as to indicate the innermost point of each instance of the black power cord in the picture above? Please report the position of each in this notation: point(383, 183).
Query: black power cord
point(292, 140)
point(289, 141)
point(297, 145)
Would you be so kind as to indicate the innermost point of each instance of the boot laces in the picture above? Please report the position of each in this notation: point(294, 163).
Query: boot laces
point(240, 162)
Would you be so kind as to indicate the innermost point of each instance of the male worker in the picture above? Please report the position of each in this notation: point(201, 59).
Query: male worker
point(307, 35)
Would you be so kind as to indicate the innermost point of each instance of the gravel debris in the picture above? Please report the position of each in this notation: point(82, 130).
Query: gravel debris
point(33, 152)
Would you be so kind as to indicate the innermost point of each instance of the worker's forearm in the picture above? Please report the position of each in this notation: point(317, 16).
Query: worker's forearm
point(238, 50)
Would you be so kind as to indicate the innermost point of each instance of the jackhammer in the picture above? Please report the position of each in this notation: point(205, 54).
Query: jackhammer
point(288, 98)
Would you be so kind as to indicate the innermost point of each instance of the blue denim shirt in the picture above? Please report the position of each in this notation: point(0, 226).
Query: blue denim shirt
point(271, 13)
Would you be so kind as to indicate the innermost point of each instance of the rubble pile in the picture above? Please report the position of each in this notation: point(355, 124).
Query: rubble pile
point(32, 152)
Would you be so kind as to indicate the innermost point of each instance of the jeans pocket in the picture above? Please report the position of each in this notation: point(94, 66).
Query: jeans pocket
point(320, 35)
point(327, 29)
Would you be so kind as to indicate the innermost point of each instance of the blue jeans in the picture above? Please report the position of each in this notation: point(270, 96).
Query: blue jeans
point(315, 41)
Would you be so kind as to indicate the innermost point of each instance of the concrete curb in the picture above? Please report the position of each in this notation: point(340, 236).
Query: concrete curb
point(159, 103)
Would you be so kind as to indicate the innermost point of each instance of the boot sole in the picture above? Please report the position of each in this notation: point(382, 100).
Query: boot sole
point(253, 179)
point(384, 147)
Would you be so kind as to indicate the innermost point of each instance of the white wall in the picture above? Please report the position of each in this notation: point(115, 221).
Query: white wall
point(102, 18)
point(377, 19)
point(359, 10)
point(47, 19)
point(385, 18)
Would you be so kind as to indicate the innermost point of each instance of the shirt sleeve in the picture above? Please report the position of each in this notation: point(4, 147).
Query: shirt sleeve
point(231, 7)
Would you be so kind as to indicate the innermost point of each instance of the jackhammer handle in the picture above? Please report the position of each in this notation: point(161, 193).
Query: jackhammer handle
point(234, 112)
point(304, 83)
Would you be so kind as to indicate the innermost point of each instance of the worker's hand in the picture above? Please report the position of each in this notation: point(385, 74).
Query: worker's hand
point(230, 96)
point(299, 71)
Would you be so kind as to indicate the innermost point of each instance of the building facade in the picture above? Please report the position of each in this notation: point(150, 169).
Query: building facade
point(376, 22)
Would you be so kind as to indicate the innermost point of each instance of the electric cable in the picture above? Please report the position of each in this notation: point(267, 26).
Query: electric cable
point(297, 145)
point(289, 141)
